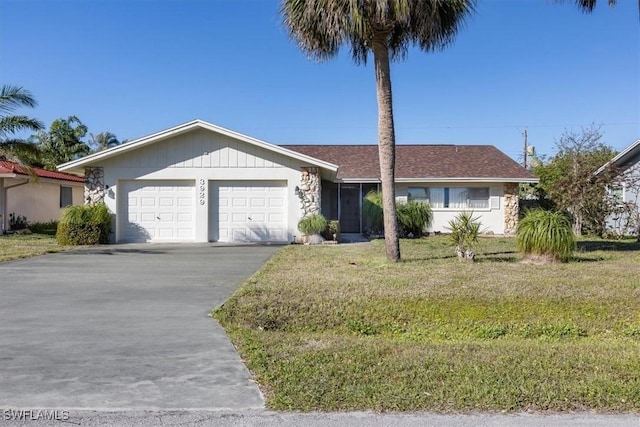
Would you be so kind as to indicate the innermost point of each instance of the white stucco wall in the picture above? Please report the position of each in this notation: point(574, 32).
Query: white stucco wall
point(39, 201)
point(203, 156)
point(492, 218)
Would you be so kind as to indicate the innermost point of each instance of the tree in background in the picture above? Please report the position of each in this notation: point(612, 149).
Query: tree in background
point(568, 179)
point(62, 142)
point(11, 147)
point(385, 29)
point(103, 141)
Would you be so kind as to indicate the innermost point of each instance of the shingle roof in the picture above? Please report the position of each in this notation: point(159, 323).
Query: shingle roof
point(421, 161)
point(7, 167)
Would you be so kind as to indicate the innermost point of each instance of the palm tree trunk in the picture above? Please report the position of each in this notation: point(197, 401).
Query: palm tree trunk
point(386, 147)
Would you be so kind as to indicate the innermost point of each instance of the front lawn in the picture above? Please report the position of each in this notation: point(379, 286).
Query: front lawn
point(15, 246)
point(339, 328)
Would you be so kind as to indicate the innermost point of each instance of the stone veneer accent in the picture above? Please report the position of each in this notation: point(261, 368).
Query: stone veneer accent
point(93, 185)
point(309, 191)
point(511, 208)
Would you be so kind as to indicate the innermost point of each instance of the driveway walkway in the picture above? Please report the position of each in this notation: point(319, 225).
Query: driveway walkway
point(124, 327)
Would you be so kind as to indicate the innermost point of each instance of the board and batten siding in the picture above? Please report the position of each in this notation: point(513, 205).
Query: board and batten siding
point(202, 149)
point(204, 157)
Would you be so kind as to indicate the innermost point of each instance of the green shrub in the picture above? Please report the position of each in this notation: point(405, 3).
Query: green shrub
point(84, 225)
point(312, 224)
point(465, 229)
point(333, 229)
point(17, 222)
point(372, 210)
point(49, 227)
point(547, 234)
point(413, 218)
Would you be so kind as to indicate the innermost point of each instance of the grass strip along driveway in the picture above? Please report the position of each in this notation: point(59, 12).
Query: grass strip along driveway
point(16, 246)
point(339, 328)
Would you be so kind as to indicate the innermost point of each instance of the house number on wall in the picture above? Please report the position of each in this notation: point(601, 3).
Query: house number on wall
point(201, 189)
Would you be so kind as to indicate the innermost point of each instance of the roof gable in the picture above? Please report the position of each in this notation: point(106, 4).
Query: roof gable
point(422, 162)
point(11, 168)
point(194, 125)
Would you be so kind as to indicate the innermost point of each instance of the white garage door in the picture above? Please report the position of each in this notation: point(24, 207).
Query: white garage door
point(248, 211)
point(157, 211)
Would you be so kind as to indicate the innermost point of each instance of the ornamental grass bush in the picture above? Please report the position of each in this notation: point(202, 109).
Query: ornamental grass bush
point(545, 236)
point(372, 210)
point(312, 224)
point(84, 225)
point(413, 217)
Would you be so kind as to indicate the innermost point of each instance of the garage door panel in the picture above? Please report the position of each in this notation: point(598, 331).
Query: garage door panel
point(239, 201)
point(276, 217)
point(157, 211)
point(248, 211)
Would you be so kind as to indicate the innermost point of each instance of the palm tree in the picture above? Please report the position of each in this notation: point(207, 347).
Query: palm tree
point(103, 141)
point(385, 28)
point(63, 142)
point(587, 6)
point(11, 98)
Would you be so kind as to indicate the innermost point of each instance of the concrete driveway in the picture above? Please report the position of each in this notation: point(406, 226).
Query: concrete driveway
point(124, 327)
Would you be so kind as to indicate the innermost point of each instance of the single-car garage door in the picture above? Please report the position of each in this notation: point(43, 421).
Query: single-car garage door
point(247, 211)
point(157, 211)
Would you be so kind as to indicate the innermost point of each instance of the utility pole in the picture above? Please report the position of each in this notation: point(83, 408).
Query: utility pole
point(524, 134)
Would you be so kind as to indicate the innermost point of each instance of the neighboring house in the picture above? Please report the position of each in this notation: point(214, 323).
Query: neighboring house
point(625, 191)
point(39, 196)
point(198, 182)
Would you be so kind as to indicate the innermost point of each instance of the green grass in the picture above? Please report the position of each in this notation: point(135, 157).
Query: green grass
point(16, 246)
point(339, 328)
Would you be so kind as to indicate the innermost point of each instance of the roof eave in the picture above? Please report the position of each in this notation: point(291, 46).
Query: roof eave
point(444, 179)
point(470, 179)
point(629, 151)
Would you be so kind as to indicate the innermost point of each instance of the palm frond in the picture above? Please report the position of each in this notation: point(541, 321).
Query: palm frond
point(321, 27)
point(13, 97)
point(12, 124)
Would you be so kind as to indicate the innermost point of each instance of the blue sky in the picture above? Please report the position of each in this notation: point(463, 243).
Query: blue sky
point(138, 67)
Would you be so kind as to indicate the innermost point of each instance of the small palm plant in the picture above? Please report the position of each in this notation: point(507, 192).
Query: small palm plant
point(545, 236)
point(465, 230)
point(313, 226)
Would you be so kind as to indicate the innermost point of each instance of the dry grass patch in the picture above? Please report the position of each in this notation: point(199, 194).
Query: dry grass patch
point(16, 246)
point(337, 328)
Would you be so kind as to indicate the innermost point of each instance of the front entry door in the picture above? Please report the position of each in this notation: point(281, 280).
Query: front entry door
point(350, 208)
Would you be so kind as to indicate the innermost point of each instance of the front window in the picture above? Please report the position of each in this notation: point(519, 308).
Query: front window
point(66, 196)
point(451, 197)
point(616, 193)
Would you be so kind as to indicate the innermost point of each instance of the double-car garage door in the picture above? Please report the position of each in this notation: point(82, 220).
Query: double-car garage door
point(238, 211)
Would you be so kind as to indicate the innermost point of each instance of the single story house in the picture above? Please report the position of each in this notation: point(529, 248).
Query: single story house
point(198, 182)
point(39, 195)
point(626, 191)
